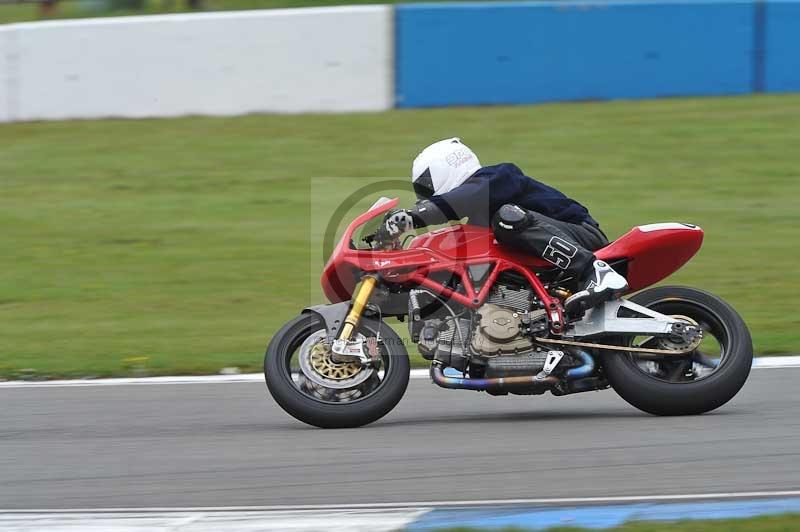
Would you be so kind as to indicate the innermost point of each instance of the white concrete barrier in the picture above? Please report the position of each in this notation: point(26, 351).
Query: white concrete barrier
point(228, 63)
point(7, 49)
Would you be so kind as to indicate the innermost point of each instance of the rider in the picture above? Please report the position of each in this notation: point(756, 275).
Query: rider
point(524, 214)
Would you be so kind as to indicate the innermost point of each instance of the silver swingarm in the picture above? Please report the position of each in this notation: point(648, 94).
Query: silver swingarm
point(604, 320)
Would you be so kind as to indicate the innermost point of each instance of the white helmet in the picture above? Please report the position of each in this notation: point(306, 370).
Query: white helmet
point(443, 166)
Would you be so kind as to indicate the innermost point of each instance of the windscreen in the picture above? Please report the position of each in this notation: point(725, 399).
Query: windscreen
point(370, 226)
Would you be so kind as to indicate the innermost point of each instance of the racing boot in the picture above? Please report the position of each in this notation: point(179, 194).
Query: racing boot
point(601, 284)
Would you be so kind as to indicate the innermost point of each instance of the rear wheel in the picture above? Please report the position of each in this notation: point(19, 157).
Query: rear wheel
point(306, 382)
point(705, 379)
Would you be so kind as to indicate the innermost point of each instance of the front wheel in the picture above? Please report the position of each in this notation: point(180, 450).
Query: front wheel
point(699, 382)
point(308, 384)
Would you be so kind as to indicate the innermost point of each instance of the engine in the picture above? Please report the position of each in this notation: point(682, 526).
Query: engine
point(498, 332)
point(489, 340)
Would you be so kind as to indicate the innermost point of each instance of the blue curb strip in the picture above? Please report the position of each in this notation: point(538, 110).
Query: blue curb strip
point(599, 517)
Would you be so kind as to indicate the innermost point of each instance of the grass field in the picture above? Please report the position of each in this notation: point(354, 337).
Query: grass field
point(74, 9)
point(181, 245)
point(776, 523)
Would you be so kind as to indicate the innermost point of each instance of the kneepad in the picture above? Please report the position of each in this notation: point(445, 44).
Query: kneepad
point(511, 218)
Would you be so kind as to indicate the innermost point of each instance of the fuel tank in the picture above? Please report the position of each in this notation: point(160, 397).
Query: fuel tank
point(460, 242)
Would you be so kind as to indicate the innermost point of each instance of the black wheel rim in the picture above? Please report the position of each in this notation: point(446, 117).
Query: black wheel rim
point(709, 357)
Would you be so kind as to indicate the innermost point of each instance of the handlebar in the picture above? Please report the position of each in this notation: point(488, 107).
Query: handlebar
point(380, 240)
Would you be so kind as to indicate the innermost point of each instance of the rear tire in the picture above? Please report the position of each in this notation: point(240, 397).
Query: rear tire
point(302, 406)
point(662, 398)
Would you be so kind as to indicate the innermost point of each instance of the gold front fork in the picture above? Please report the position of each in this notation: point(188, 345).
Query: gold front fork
point(360, 301)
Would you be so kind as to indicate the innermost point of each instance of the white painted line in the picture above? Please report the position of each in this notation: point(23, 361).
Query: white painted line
point(776, 362)
point(199, 379)
point(149, 381)
point(759, 363)
point(425, 505)
point(201, 521)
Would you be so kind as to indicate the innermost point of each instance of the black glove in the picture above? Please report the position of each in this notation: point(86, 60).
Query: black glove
point(397, 222)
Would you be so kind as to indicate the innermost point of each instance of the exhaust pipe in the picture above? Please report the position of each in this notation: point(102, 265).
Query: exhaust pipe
point(585, 369)
point(505, 384)
point(500, 384)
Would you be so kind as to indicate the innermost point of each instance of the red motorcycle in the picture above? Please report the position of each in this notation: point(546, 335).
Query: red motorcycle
point(492, 320)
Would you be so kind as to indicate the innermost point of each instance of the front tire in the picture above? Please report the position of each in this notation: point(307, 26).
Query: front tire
point(360, 405)
point(657, 395)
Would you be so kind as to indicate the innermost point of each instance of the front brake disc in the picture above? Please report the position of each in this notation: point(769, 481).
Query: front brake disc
point(317, 364)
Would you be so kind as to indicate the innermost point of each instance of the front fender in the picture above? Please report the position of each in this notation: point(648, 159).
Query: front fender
point(333, 315)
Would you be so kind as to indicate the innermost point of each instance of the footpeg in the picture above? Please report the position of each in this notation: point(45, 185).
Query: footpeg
point(606, 284)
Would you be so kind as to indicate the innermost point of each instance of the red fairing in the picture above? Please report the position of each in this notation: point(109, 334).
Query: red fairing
point(653, 252)
point(339, 277)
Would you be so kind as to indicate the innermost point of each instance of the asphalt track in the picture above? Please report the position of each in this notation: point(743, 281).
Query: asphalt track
point(212, 445)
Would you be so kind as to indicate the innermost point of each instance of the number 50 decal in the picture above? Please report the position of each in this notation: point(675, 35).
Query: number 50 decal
point(560, 252)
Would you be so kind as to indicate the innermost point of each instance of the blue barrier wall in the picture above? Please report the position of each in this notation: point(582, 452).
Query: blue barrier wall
point(782, 38)
point(498, 53)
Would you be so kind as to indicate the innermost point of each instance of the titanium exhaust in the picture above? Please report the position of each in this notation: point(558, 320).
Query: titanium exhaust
point(527, 383)
point(585, 369)
point(499, 384)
